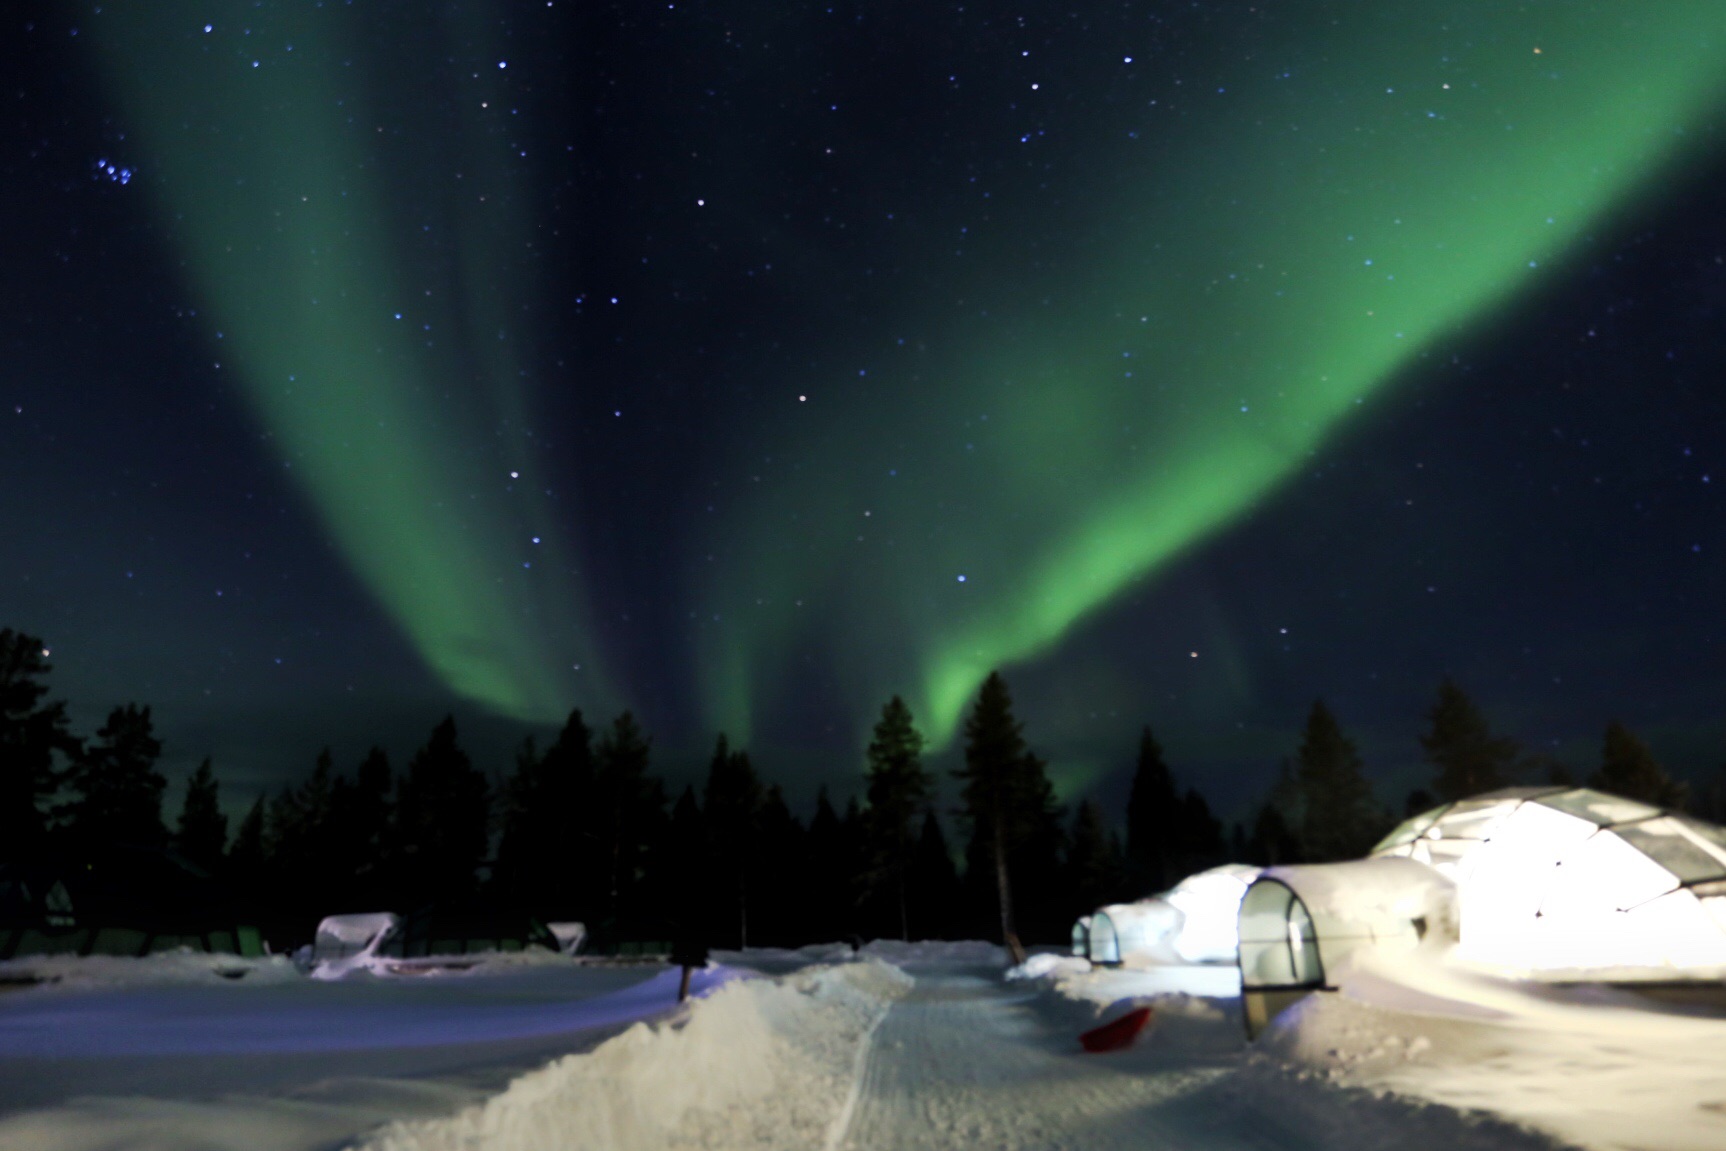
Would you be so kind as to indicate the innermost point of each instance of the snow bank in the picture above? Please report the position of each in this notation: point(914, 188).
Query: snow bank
point(168, 968)
point(760, 1063)
point(1593, 1066)
point(1046, 964)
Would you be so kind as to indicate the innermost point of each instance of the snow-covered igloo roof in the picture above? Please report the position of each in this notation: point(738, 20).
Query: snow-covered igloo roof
point(1571, 879)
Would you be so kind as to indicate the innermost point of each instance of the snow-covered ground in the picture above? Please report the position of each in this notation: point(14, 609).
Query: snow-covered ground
point(164, 1052)
point(896, 1047)
point(1596, 1067)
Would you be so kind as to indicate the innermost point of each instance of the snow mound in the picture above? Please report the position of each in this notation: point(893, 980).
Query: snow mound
point(167, 968)
point(1049, 964)
point(759, 1063)
point(1596, 1067)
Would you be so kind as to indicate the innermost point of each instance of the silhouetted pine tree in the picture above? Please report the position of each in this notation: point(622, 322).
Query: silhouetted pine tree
point(732, 806)
point(934, 894)
point(1153, 818)
point(359, 833)
point(777, 895)
point(201, 834)
point(32, 734)
point(851, 853)
point(898, 790)
point(628, 819)
point(1201, 836)
point(1628, 768)
point(299, 837)
point(442, 809)
point(686, 867)
point(1010, 807)
point(545, 801)
point(248, 858)
point(832, 874)
point(1095, 868)
point(1272, 841)
point(116, 789)
point(1467, 758)
point(1339, 818)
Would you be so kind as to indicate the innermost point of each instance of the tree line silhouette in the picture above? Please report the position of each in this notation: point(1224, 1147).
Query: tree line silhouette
point(584, 829)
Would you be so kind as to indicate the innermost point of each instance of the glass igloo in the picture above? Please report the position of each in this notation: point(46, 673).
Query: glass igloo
point(1570, 880)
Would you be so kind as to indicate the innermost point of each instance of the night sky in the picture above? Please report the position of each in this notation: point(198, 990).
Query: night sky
point(745, 363)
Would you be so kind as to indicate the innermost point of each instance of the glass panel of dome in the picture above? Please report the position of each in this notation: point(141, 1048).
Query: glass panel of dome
point(1666, 842)
point(1471, 819)
point(1407, 831)
point(1598, 807)
point(1711, 833)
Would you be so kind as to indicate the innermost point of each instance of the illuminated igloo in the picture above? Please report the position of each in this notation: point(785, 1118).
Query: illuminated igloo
point(1193, 922)
point(1557, 880)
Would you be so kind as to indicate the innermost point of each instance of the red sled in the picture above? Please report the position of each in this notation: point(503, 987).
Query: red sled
point(1118, 1033)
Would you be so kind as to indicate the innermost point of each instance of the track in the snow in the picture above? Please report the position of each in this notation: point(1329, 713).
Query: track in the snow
point(965, 1062)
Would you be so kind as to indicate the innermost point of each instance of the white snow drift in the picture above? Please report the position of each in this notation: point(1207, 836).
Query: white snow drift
point(762, 1064)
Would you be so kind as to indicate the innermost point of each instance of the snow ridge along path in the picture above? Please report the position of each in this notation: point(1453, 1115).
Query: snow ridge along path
point(760, 1063)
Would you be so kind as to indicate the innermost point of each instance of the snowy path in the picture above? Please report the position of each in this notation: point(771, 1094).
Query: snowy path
point(965, 1061)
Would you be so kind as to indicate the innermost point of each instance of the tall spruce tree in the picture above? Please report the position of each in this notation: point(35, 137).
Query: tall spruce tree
point(628, 818)
point(34, 735)
point(1153, 820)
point(1095, 867)
point(300, 834)
point(1201, 835)
point(898, 790)
point(359, 835)
point(934, 884)
point(1466, 757)
point(776, 890)
point(732, 806)
point(1628, 768)
point(685, 864)
point(833, 873)
point(201, 833)
point(1007, 799)
point(442, 810)
point(1339, 818)
point(545, 801)
point(1275, 835)
point(248, 858)
point(116, 789)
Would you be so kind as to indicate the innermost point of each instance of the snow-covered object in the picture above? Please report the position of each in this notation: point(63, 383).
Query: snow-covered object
point(1210, 905)
point(348, 943)
point(342, 936)
point(570, 936)
point(1571, 881)
point(1046, 964)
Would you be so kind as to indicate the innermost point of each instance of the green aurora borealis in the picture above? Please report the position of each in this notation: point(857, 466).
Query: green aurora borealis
point(295, 235)
point(1363, 184)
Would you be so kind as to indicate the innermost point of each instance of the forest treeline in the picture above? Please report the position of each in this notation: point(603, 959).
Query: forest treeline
point(583, 828)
